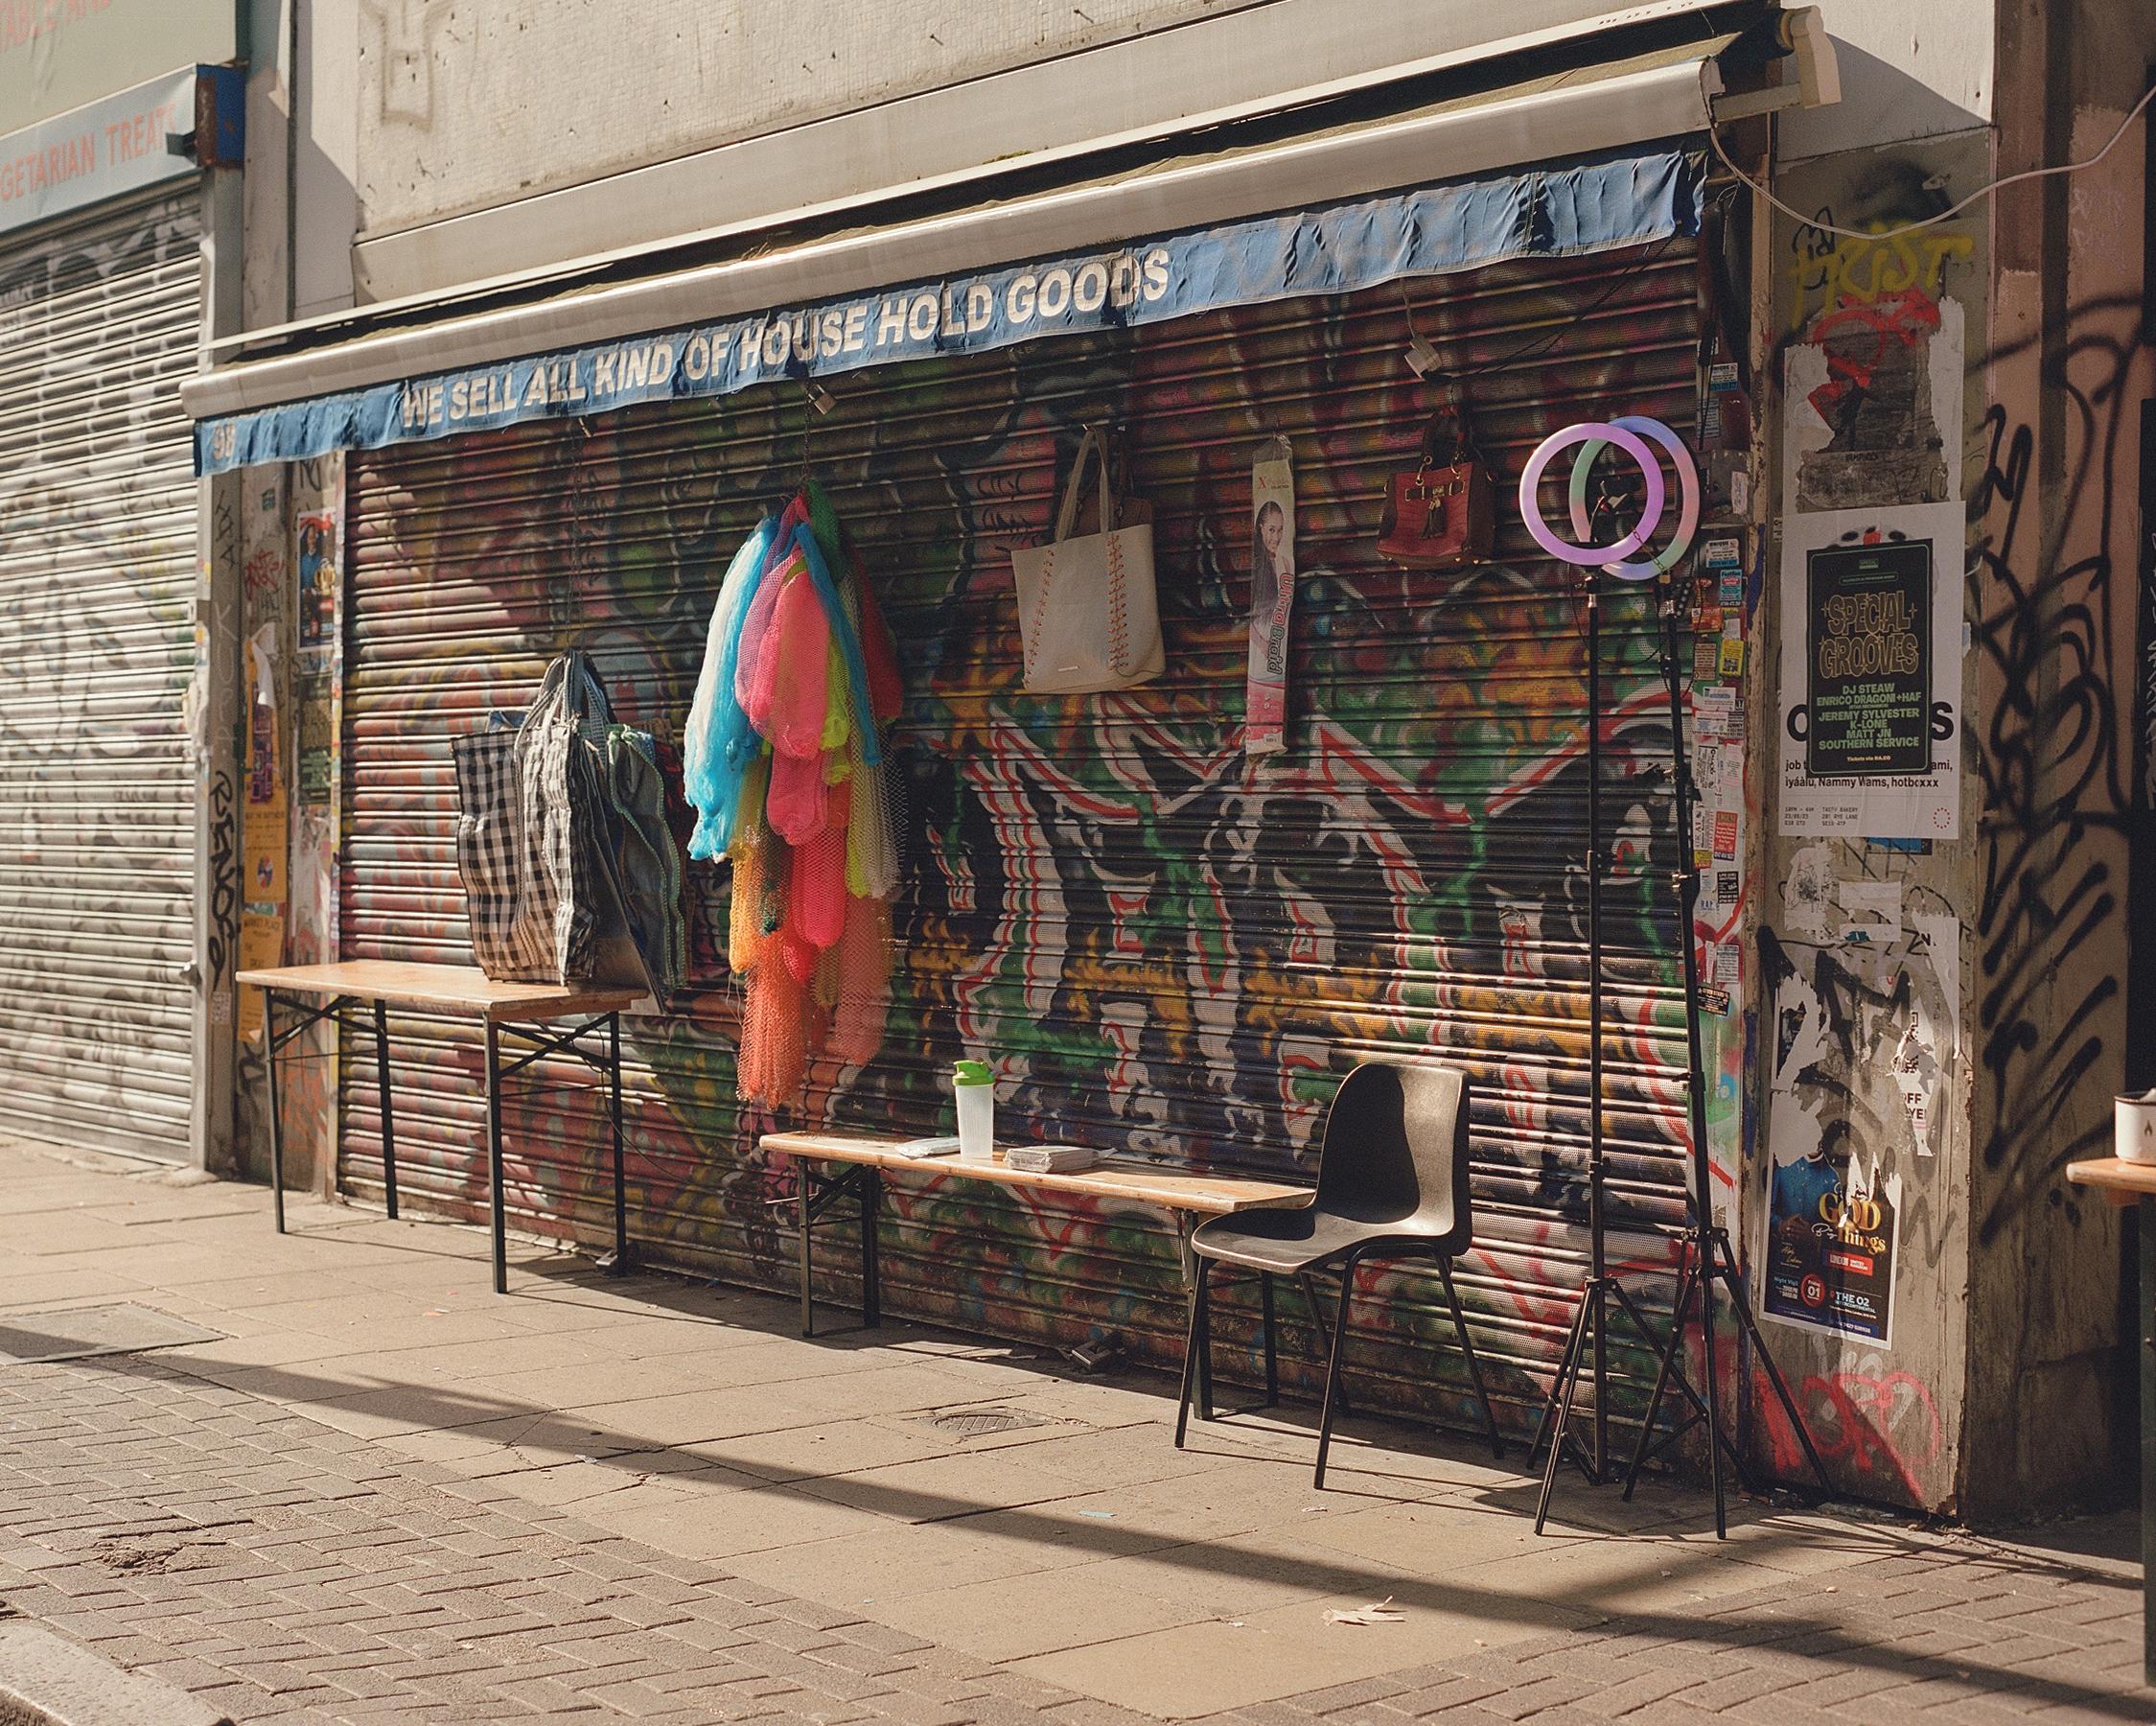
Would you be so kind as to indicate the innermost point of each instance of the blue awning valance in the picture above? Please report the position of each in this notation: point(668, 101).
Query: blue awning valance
point(1618, 198)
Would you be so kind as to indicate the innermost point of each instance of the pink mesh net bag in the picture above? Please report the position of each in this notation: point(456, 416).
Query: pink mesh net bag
point(798, 803)
point(816, 897)
point(793, 663)
point(750, 690)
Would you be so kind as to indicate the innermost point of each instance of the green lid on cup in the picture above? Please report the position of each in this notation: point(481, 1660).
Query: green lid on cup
point(971, 1072)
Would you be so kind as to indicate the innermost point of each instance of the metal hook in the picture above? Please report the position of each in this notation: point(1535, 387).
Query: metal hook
point(816, 402)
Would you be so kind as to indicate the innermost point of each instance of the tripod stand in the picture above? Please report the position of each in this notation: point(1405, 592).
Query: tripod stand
point(1590, 1324)
point(1708, 1259)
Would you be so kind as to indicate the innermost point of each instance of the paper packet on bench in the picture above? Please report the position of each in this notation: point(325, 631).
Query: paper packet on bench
point(926, 1146)
point(1048, 1159)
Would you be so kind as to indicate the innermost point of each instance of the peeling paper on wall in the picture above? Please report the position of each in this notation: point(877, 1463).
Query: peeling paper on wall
point(1870, 911)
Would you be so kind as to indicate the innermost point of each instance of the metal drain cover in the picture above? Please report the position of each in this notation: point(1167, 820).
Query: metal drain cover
point(122, 1329)
point(980, 1423)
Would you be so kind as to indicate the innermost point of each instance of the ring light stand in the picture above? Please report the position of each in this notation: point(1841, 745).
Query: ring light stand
point(1706, 1252)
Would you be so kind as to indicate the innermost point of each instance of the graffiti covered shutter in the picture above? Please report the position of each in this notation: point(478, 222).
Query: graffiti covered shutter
point(97, 325)
point(1165, 948)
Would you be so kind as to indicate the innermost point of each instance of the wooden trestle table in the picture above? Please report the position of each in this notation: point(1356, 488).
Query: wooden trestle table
point(530, 1014)
point(1188, 1198)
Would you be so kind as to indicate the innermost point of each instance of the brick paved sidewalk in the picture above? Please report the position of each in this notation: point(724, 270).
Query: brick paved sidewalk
point(283, 1570)
point(382, 1493)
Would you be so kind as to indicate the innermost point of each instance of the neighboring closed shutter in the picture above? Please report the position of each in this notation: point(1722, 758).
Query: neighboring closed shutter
point(1181, 953)
point(98, 326)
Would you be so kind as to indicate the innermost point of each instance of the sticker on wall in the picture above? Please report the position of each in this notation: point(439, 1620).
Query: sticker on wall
point(1272, 594)
point(1831, 1230)
point(262, 948)
point(1854, 636)
point(316, 533)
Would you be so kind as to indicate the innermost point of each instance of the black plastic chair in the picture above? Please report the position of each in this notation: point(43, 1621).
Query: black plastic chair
point(1392, 1184)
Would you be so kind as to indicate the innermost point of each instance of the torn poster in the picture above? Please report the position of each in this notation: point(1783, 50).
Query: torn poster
point(1899, 806)
point(1272, 594)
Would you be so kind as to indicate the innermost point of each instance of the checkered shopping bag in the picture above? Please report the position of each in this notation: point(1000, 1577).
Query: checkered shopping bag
point(506, 896)
point(561, 751)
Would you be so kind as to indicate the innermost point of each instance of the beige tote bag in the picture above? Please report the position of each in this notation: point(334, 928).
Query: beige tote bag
point(1087, 611)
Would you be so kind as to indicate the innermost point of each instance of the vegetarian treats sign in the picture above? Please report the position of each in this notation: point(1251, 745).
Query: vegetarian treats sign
point(1869, 705)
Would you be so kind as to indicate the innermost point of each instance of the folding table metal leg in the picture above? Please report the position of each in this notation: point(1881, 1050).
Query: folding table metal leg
point(621, 1265)
point(2145, 1210)
point(494, 1158)
point(1272, 1341)
point(801, 1185)
point(276, 1124)
point(1193, 1271)
point(1193, 1350)
point(871, 1187)
point(389, 1121)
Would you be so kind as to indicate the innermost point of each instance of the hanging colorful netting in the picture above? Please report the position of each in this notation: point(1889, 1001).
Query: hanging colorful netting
point(783, 764)
point(717, 750)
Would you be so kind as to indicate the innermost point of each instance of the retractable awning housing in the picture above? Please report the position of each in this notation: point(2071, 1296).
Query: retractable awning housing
point(1579, 160)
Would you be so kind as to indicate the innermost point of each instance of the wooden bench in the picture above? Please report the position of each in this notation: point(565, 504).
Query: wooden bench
point(506, 1009)
point(1187, 1198)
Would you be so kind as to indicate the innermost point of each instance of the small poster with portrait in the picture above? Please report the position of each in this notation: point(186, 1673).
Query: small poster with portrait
point(1272, 596)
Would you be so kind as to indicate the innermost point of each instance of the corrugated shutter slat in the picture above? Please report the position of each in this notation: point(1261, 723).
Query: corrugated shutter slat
point(98, 326)
point(1172, 951)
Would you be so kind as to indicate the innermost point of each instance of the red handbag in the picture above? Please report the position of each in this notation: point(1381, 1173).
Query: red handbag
point(1443, 514)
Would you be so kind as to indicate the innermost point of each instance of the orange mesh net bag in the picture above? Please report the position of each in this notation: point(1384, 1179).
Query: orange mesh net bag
point(773, 1057)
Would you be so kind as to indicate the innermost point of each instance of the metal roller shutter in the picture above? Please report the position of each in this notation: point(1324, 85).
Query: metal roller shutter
point(97, 325)
point(1180, 954)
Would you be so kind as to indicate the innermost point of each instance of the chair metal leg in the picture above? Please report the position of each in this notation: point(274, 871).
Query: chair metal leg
point(1332, 1368)
point(1191, 1340)
point(1272, 1338)
point(1319, 1326)
point(1474, 1366)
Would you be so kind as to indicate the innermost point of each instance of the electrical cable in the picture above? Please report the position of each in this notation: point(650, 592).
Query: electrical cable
point(1714, 136)
point(1535, 346)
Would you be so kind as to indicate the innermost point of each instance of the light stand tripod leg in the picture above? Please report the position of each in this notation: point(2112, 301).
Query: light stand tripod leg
point(1594, 1312)
point(1682, 1384)
point(1570, 1380)
point(1543, 1427)
point(1751, 1327)
point(1713, 1383)
point(1687, 1280)
point(1710, 1259)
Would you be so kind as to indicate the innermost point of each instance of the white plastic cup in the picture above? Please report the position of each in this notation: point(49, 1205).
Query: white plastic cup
point(977, 1115)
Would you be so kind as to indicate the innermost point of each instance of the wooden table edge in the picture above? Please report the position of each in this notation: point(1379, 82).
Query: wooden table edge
point(293, 980)
point(1098, 1180)
point(2120, 1181)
